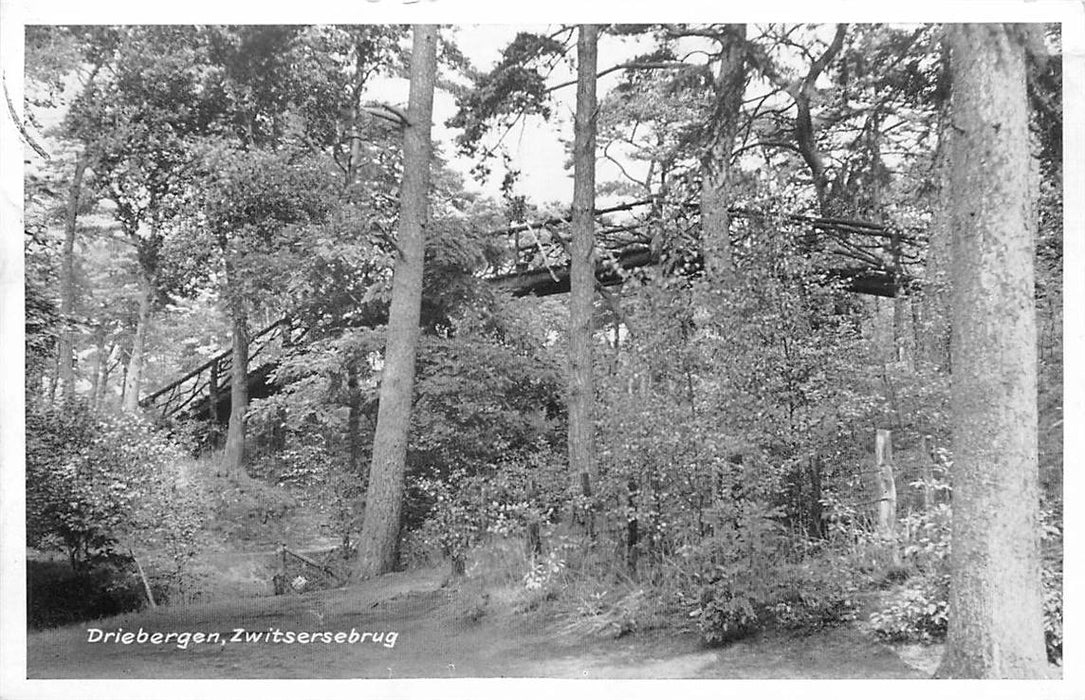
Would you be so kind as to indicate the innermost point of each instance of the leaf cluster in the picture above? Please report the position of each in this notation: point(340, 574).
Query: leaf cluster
point(516, 86)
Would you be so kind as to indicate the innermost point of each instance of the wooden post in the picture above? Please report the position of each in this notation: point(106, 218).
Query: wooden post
point(887, 496)
point(143, 579)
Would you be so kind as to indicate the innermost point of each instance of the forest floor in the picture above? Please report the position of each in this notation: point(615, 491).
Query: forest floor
point(441, 633)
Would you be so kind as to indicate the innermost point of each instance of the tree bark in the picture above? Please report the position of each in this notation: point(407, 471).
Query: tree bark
point(581, 390)
point(65, 344)
point(996, 612)
point(234, 455)
point(134, 376)
point(716, 160)
point(384, 497)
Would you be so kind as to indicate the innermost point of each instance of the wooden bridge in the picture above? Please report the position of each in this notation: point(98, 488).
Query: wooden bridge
point(204, 392)
point(871, 260)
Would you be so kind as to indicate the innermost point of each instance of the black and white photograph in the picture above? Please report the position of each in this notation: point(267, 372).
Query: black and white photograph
point(467, 357)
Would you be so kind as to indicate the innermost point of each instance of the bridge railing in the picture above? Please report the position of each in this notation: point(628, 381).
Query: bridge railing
point(872, 259)
point(212, 378)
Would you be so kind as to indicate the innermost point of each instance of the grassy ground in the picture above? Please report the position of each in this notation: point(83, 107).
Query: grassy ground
point(440, 633)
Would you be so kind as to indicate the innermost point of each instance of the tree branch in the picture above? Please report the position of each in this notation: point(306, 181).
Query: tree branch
point(633, 65)
point(20, 124)
point(388, 113)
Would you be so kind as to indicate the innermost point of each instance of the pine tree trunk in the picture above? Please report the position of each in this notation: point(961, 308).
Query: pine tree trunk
point(234, 455)
point(65, 344)
point(581, 389)
point(716, 161)
point(384, 497)
point(134, 376)
point(996, 613)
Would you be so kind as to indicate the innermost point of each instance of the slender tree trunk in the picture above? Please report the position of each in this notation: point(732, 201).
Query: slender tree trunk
point(65, 344)
point(108, 366)
point(134, 376)
point(213, 381)
point(716, 161)
point(805, 135)
point(100, 361)
point(582, 271)
point(52, 381)
point(995, 608)
point(234, 455)
point(354, 414)
point(384, 497)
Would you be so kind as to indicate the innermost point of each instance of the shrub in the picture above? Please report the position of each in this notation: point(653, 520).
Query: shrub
point(730, 610)
point(101, 486)
point(460, 509)
point(57, 595)
point(817, 593)
point(814, 594)
point(918, 610)
point(754, 584)
point(1052, 580)
point(916, 613)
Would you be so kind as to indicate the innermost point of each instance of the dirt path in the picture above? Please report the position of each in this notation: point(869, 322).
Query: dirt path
point(433, 639)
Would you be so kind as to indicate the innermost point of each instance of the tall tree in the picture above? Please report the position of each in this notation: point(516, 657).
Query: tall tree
point(257, 205)
point(996, 611)
point(233, 458)
point(134, 127)
point(582, 268)
point(729, 84)
point(67, 281)
point(384, 498)
point(253, 73)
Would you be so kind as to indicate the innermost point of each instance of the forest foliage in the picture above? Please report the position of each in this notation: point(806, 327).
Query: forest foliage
point(247, 168)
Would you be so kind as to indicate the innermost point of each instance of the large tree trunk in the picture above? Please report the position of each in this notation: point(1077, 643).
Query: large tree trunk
point(234, 455)
point(716, 161)
point(67, 284)
point(384, 497)
point(996, 613)
point(582, 270)
point(134, 376)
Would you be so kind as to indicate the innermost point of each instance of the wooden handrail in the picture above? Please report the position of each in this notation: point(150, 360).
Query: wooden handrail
point(207, 365)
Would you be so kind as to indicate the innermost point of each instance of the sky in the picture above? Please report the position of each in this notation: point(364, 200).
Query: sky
point(534, 145)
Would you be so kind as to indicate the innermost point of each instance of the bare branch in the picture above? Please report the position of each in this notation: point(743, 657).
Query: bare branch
point(388, 113)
